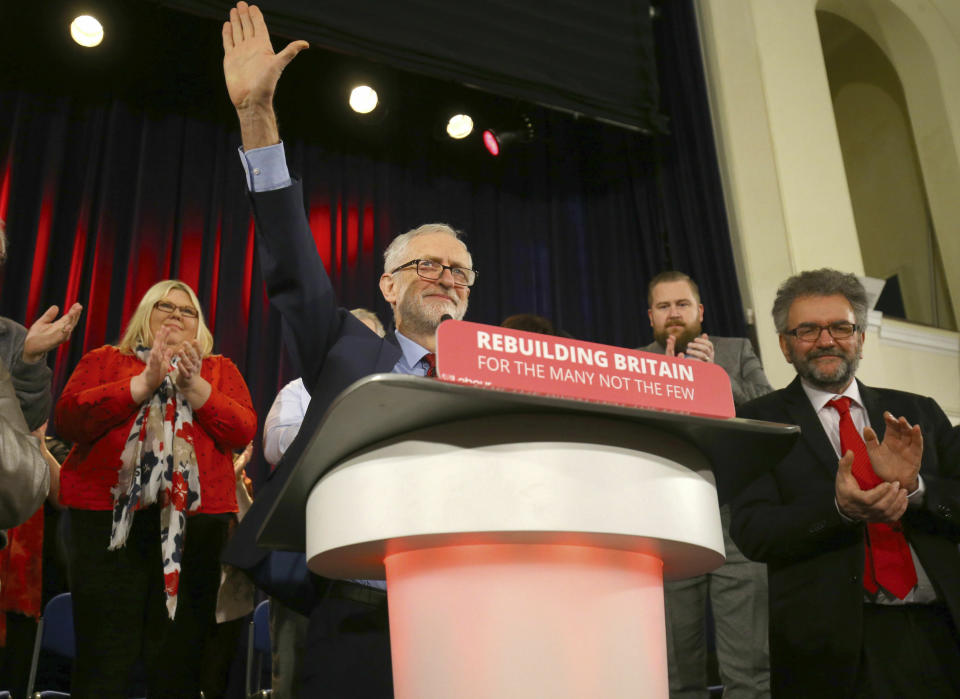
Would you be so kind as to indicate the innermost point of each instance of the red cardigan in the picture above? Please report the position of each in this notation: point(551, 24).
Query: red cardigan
point(96, 411)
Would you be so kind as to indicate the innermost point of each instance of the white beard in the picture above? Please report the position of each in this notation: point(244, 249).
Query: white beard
point(419, 317)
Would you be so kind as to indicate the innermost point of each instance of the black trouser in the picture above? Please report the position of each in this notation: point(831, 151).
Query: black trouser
point(347, 651)
point(15, 657)
point(119, 609)
point(908, 651)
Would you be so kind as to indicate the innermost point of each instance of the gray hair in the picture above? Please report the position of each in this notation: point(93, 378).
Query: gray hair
point(820, 282)
point(395, 253)
point(3, 241)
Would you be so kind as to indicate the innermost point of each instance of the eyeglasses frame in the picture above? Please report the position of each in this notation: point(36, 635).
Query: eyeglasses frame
point(820, 328)
point(442, 266)
point(185, 311)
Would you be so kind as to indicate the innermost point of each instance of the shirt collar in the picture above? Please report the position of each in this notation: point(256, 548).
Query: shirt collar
point(819, 398)
point(412, 352)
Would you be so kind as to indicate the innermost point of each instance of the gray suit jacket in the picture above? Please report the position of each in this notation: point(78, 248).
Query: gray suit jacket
point(736, 356)
point(30, 381)
point(24, 475)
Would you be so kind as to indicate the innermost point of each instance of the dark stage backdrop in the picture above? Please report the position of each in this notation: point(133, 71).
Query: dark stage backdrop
point(111, 181)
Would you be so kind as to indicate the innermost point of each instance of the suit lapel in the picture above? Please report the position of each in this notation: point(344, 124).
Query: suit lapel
point(811, 429)
point(389, 354)
point(871, 401)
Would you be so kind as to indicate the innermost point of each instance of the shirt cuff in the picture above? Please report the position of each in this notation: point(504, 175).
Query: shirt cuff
point(846, 519)
point(265, 168)
point(915, 499)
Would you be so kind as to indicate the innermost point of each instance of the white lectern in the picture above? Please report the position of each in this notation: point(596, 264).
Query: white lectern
point(524, 539)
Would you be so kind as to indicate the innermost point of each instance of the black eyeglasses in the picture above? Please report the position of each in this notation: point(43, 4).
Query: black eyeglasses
point(169, 308)
point(810, 332)
point(432, 270)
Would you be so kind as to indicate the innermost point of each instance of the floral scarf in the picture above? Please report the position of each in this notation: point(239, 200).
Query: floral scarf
point(159, 465)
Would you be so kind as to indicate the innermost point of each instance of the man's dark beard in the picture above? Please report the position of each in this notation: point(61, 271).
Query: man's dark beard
point(683, 339)
point(835, 382)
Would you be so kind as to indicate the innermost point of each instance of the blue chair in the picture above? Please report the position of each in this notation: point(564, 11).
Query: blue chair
point(54, 634)
point(258, 647)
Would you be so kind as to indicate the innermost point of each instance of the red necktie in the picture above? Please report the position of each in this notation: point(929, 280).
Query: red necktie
point(431, 359)
point(887, 561)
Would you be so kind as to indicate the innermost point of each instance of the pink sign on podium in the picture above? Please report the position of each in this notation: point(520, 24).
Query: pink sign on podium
point(515, 360)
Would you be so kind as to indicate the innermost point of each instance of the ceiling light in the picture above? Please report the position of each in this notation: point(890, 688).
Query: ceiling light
point(86, 31)
point(363, 99)
point(460, 126)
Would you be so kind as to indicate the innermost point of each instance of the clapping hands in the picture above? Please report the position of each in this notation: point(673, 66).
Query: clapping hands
point(188, 362)
point(698, 348)
point(184, 360)
point(898, 457)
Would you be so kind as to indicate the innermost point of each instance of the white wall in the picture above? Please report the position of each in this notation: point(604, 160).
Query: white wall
point(783, 170)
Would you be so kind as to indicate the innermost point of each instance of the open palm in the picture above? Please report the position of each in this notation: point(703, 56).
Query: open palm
point(250, 66)
point(898, 457)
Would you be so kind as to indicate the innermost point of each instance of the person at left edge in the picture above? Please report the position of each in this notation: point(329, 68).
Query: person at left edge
point(25, 378)
point(26, 478)
point(427, 275)
point(150, 487)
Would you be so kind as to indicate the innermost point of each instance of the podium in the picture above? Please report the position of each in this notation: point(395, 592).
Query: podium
point(524, 539)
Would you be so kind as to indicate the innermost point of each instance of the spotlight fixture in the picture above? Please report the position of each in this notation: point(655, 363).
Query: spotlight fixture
point(363, 99)
point(491, 142)
point(86, 31)
point(460, 126)
point(495, 140)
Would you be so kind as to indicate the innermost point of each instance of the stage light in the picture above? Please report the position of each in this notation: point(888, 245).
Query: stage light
point(86, 31)
point(495, 141)
point(491, 142)
point(460, 126)
point(363, 99)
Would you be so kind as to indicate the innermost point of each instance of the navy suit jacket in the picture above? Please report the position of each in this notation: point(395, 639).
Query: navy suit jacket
point(788, 519)
point(329, 346)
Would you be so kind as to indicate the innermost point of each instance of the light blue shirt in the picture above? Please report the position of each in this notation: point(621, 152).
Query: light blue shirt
point(265, 168)
point(411, 362)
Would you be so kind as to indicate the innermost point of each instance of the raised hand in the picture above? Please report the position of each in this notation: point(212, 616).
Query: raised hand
point(251, 70)
point(46, 332)
point(885, 503)
point(898, 457)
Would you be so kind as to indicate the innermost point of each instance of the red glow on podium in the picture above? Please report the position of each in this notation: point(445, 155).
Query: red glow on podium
point(535, 620)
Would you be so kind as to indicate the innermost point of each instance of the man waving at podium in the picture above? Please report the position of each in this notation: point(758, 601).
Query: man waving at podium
point(428, 273)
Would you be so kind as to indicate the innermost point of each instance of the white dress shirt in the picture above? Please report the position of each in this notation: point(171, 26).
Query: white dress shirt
point(284, 420)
